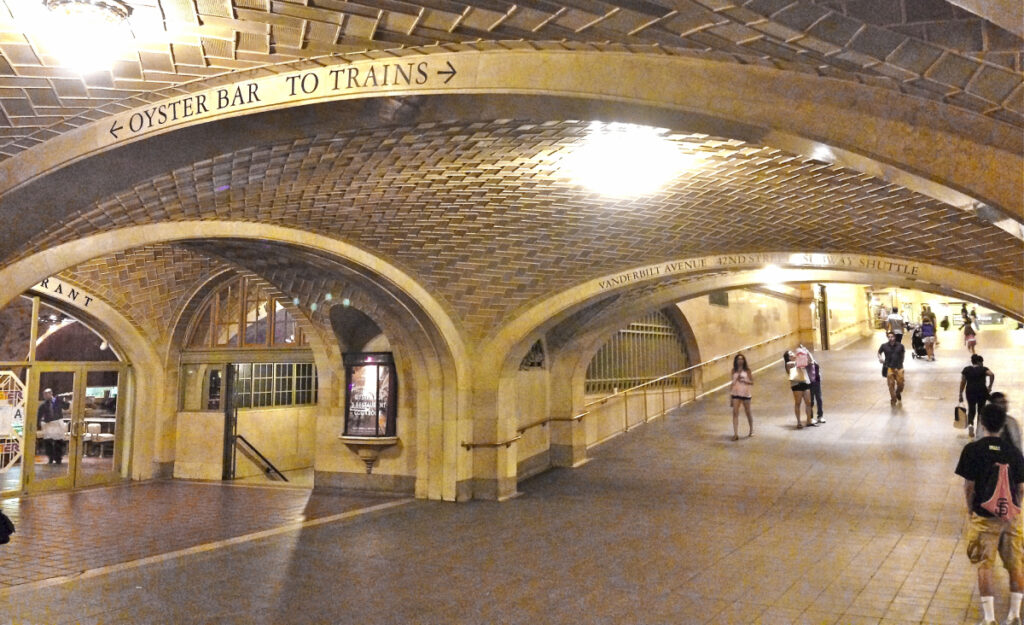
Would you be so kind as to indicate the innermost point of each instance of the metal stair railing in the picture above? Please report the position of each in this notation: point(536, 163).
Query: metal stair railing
point(268, 466)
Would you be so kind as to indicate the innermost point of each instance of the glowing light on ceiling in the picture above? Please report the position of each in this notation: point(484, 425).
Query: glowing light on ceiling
point(772, 276)
point(86, 35)
point(623, 160)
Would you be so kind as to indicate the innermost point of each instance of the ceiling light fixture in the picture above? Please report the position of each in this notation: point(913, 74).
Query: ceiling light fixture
point(88, 35)
point(622, 160)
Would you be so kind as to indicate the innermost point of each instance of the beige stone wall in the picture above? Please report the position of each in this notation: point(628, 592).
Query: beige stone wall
point(284, 435)
point(849, 316)
point(750, 318)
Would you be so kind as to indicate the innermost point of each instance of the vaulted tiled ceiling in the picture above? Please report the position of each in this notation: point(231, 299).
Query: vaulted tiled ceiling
point(481, 216)
point(476, 211)
point(927, 48)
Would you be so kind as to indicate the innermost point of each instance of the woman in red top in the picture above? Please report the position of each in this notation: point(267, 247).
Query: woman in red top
point(739, 392)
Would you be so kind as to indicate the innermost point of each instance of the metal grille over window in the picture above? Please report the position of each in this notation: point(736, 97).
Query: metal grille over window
point(647, 348)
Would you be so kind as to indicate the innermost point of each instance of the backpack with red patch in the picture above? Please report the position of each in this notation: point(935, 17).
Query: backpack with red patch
point(997, 493)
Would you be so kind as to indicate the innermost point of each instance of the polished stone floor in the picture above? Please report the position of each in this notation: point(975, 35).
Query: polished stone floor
point(858, 521)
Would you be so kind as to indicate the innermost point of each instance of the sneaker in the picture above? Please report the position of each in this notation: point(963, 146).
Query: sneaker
point(1013, 621)
point(821, 419)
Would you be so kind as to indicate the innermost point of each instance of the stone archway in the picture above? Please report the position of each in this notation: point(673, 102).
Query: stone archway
point(435, 356)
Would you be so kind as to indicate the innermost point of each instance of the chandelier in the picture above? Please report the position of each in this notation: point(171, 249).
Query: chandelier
point(90, 12)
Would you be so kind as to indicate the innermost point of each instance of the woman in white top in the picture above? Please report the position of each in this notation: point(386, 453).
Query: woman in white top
point(742, 380)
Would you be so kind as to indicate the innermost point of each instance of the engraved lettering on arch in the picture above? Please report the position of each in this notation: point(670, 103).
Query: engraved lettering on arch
point(54, 287)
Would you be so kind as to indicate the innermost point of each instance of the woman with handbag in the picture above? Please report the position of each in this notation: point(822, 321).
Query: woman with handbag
point(800, 384)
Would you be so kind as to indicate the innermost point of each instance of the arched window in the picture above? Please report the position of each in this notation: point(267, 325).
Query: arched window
point(243, 313)
point(243, 329)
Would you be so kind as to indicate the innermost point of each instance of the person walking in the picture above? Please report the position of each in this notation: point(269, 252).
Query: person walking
point(970, 334)
point(891, 355)
point(928, 336)
point(740, 394)
point(1011, 431)
point(800, 384)
point(896, 324)
point(972, 380)
point(993, 473)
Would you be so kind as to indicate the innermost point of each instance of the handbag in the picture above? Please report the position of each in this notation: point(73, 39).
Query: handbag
point(959, 417)
point(54, 430)
point(885, 371)
point(798, 375)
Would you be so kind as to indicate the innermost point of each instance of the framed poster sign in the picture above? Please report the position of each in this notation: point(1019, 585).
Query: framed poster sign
point(371, 394)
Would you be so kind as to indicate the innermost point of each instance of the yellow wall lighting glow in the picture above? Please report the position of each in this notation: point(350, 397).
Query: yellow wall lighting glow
point(622, 160)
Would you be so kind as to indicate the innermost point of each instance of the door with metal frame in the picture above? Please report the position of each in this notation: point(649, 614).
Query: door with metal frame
point(73, 430)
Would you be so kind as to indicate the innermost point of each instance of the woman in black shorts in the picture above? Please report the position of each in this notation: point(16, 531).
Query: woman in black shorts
point(800, 384)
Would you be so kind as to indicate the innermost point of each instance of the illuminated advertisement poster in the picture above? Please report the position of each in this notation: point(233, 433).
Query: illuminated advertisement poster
point(370, 394)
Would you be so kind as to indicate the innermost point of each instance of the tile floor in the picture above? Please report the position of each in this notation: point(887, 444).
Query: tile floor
point(855, 522)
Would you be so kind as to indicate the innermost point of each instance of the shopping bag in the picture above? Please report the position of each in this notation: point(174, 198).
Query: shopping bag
point(959, 417)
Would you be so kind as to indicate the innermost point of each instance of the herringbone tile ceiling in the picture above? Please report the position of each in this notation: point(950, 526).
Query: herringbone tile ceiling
point(479, 214)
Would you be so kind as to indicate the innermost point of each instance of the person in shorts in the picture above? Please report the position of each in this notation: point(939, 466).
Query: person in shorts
point(800, 384)
point(740, 394)
point(978, 460)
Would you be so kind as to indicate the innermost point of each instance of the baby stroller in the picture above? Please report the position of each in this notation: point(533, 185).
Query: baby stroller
point(917, 343)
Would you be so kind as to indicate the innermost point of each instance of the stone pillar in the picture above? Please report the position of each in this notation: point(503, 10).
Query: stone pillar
point(805, 316)
point(493, 446)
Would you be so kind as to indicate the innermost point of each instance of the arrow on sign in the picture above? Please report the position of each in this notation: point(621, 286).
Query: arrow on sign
point(114, 128)
point(450, 72)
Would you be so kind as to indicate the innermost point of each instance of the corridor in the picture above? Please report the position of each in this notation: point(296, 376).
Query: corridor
point(855, 522)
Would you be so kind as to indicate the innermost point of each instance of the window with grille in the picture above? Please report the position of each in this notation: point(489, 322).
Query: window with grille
point(647, 348)
point(266, 384)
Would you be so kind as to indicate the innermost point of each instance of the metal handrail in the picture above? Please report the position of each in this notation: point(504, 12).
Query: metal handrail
point(270, 465)
point(690, 368)
point(848, 326)
point(602, 400)
point(507, 443)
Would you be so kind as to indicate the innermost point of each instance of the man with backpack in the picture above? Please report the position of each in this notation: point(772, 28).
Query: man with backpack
point(993, 472)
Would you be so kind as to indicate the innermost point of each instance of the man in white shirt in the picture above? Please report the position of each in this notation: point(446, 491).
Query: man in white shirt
point(894, 323)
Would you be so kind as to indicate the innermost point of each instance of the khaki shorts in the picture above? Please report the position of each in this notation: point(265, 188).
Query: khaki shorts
point(983, 541)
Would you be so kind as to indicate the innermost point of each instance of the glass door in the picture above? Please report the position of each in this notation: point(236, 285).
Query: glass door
point(100, 429)
point(75, 417)
point(50, 449)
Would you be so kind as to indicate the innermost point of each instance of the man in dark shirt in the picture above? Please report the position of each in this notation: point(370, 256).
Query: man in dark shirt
point(980, 462)
point(891, 355)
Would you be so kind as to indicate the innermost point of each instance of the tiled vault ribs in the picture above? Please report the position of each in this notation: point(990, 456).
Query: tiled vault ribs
point(479, 214)
point(929, 49)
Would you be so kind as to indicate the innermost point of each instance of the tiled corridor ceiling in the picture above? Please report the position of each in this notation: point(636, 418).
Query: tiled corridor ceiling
point(927, 48)
point(480, 215)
